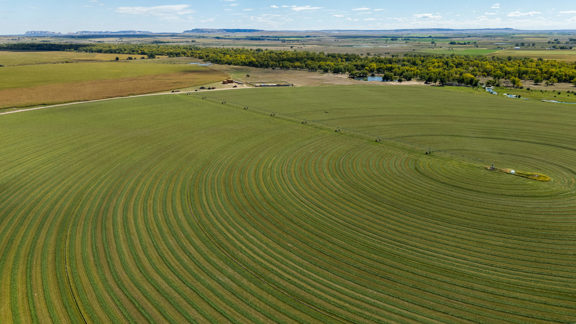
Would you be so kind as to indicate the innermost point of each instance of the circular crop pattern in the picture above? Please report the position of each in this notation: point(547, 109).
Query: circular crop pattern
point(183, 209)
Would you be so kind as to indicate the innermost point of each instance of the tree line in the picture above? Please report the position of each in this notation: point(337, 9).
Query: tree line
point(441, 69)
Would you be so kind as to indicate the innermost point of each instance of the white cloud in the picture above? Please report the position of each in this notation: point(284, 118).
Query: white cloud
point(233, 5)
point(361, 9)
point(167, 11)
point(247, 9)
point(523, 14)
point(370, 19)
point(271, 21)
point(274, 6)
point(568, 12)
point(92, 3)
point(306, 7)
point(338, 16)
point(495, 6)
point(379, 9)
point(427, 16)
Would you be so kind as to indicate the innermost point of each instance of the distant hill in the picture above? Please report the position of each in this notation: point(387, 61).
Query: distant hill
point(217, 31)
point(85, 33)
point(334, 32)
point(122, 32)
point(354, 31)
point(429, 31)
point(426, 30)
point(41, 33)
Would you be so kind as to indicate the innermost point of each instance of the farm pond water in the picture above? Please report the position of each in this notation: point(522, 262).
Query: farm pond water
point(560, 102)
point(370, 78)
point(374, 78)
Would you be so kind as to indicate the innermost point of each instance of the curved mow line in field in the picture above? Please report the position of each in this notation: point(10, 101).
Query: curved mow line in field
point(229, 172)
point(314, 227)
point(516, 270)
point(230, 220)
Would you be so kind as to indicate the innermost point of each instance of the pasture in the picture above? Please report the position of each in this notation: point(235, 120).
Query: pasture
point(248, 206)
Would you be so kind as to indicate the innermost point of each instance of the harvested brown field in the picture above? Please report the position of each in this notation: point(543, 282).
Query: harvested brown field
point(99, 89)
point(13, 58)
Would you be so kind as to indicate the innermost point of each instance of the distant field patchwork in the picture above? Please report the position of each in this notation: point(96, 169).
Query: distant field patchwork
point(558, 55)
point(461, 51)
point(289, 205)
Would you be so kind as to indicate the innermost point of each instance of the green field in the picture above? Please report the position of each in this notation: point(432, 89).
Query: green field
point(247, 206)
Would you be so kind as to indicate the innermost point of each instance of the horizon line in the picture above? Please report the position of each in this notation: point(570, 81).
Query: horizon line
point(256, 30)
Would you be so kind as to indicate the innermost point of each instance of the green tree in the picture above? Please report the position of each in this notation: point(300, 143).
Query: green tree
point(537, 79)
point(388, 76)
point(516, 83)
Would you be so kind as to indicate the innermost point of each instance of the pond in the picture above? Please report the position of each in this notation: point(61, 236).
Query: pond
point(374, 78)
point(370, 78)
point(560, 102)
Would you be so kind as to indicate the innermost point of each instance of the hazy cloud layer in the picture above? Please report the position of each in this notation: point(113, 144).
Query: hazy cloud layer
point(523, 14)
point(302, 8)
point(427, 16)
point(161, 11)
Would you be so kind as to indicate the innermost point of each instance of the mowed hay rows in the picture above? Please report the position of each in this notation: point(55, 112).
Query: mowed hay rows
point(178, 209)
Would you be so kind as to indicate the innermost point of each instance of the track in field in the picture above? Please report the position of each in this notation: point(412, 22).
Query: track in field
point(178, 209)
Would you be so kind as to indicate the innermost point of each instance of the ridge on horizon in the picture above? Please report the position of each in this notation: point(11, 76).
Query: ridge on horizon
point(250, 30)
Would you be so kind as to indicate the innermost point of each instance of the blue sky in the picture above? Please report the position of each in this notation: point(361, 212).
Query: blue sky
point(178, 15)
